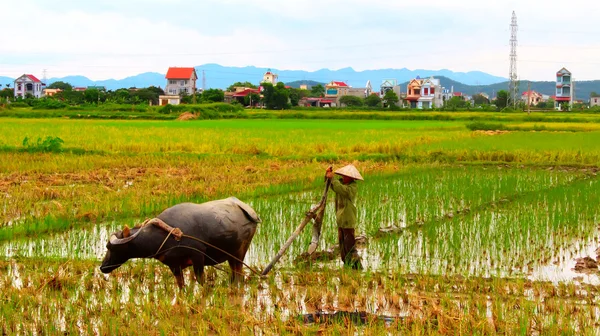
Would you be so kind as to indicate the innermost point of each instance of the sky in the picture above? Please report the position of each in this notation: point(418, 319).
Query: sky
point(105, 39)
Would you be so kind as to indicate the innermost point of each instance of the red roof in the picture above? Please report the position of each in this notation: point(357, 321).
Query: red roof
point(563, 99)
point(325, 101)
point(179, 73)
point(245, 92)
point(526, 93)
point(33, 78)
point(340, 84)
point(457, 94)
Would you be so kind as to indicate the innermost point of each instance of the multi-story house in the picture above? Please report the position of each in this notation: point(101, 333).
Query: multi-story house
point(594, 101)
point(563, 88)
point(431, 94)
point(28, 84)
point(425, 93)
point(181, 81)
point(390, 85)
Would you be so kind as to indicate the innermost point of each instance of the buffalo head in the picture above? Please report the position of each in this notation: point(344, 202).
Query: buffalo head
point(118, 249)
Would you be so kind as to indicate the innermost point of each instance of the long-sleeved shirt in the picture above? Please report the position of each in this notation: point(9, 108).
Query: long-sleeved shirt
point(345, 210)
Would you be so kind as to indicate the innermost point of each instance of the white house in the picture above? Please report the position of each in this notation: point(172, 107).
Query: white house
point(431, 94)
point(28, 84)
point(563, 88)
point(181, 81)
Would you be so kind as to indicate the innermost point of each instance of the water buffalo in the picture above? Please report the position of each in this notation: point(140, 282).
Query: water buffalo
point(227, 224)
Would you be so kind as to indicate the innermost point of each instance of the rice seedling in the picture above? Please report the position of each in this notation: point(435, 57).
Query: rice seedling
point(455, 241)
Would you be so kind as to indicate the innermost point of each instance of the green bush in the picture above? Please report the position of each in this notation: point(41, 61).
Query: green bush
point(19, 104)
point(483, 126)
point(48, 145)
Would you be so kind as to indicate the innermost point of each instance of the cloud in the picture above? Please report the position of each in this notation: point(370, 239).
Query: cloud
point(118, 38)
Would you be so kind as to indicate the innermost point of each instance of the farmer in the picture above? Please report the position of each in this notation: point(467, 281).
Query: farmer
point(345, 212)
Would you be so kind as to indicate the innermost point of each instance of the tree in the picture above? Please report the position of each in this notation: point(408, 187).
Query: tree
point(390, 98)
point(480, 99)
point(594, 94)
point(317, 91)
point(502, 99)
point(92, 95)
point(61, 85)
point(252, 99)
point(213, 96)
point(275, 97)
point(372, 100)
point(351, 101)
point(231, 87)
point(7, 93)
point(456, 102)
point(550, 103)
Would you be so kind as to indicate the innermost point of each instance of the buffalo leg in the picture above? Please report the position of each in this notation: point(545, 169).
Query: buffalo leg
point(236, 271)
point(199, 269)
point(178, 273)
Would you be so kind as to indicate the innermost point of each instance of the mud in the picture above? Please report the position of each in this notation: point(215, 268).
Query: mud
point(586, 265)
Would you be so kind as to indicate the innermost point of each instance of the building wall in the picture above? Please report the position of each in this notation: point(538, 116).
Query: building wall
point(20, 87)
point(594, 101)
point(179, 86)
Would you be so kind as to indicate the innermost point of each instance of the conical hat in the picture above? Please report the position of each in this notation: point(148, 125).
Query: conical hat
point(349, 171)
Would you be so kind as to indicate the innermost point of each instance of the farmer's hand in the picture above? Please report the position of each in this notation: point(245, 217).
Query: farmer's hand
point(329, 174)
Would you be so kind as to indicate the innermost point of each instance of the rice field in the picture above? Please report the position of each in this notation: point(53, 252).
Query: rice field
point(461, 232)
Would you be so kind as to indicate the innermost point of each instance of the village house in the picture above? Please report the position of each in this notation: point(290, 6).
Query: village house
point(389, 85)
point(563, 88)
point(424, 93)
point(28, 84)
point(335, 90)
point(180, 81)
point(270, 77)
point(51, 92)
point(532, 98)
point(594, 101)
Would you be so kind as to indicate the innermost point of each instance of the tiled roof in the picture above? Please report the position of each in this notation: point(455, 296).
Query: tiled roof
point(342, 84)
point(179, 73)
point(33, 78)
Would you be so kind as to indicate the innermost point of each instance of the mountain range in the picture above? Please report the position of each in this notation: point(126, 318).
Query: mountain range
point(221, 77)
point(218, 76)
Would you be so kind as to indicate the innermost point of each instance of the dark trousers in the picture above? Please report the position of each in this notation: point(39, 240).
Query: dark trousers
point(347, 250)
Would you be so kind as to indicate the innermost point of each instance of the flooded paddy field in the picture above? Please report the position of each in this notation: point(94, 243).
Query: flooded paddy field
point(449, 246)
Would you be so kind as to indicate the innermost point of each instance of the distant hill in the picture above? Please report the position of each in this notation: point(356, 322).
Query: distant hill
point(296, 84)
point(218, 76)
point(6, 80)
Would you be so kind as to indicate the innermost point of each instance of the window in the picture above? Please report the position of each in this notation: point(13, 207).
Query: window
point(426, 91)
point(172, 82)
point(432, 91)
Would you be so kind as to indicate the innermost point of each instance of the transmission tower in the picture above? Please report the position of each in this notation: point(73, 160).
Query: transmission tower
point(44, 78)
point(203, 81)
point(513, 86)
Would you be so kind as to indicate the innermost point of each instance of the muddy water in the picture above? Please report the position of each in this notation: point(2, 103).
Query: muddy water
point(562, 267)
point(442, 235)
